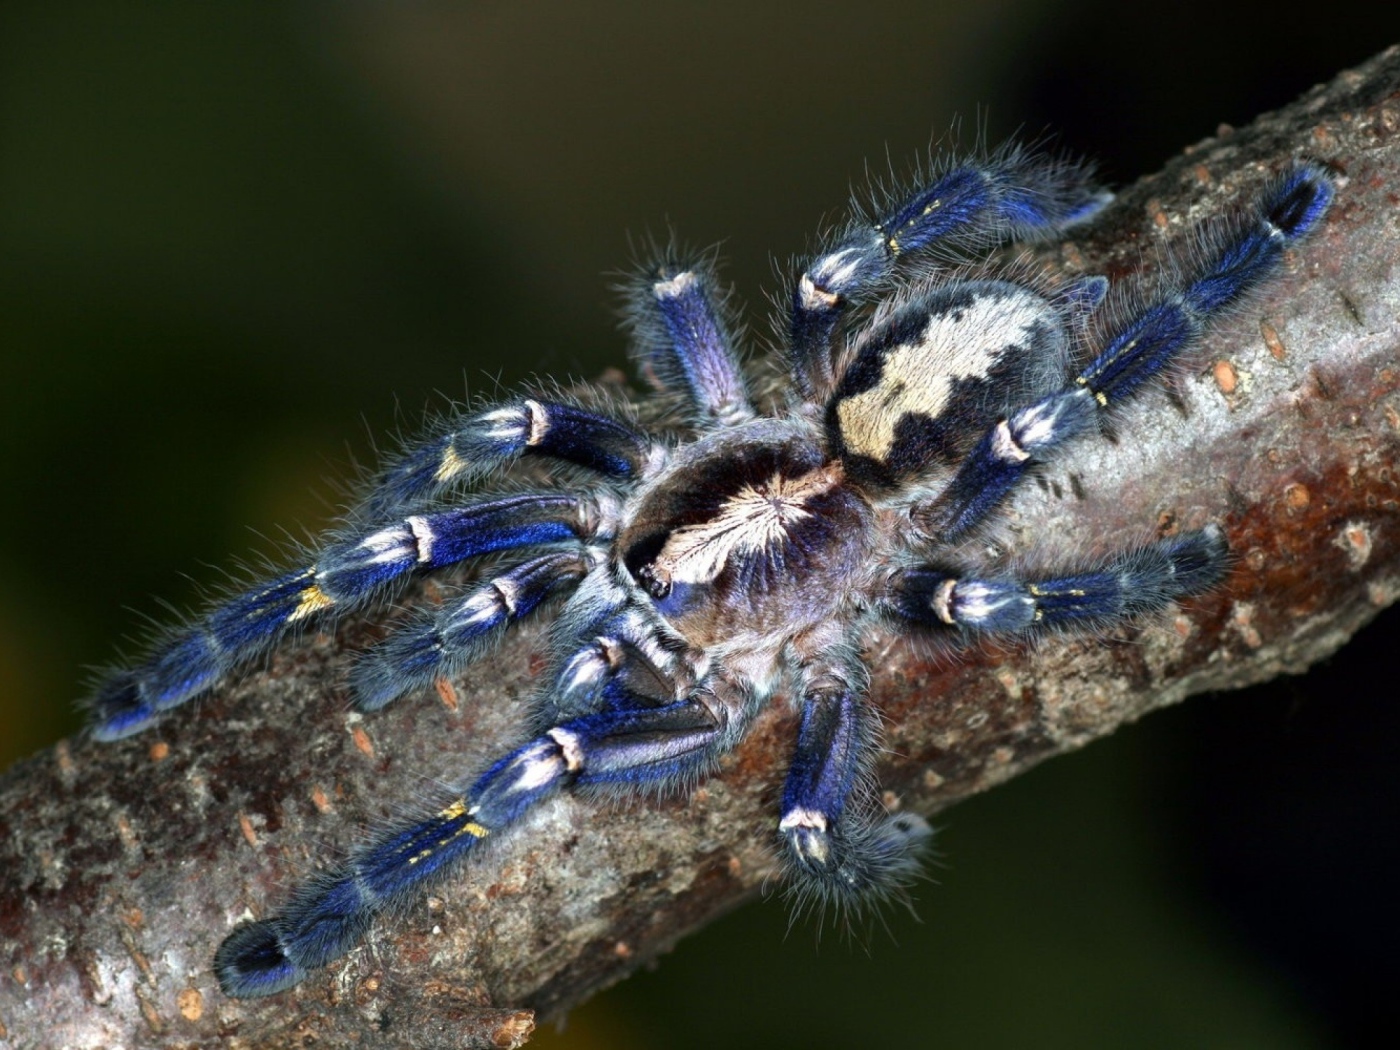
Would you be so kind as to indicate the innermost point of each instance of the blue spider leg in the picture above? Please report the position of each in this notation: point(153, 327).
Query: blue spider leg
point(1014, 194)
point(636, 745)
point(1289, 210)
point(1139, 352)
point(627, 645)
point(834, 850)
point(346, 574)
point(473, 446)
point(1132, 584)
point(446, 641)
point(681, 340)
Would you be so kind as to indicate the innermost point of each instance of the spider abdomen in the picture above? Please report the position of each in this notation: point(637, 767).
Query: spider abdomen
point(939, 368)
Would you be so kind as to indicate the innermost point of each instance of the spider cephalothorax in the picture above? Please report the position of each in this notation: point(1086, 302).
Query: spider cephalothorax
point(755, 536)
point(751, 547)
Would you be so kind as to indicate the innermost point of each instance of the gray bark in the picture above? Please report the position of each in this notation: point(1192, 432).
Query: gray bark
point(122, 866)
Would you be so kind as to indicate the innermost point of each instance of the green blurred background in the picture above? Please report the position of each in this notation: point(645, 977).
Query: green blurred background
point(237, 240)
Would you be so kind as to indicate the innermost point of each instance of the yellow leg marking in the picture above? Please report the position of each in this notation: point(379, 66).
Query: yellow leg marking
point(459, 809)
point(892, 242)
point(1099, 396)
point(1036, 592)
point(455, 811)
point(451, 465)
point(313, 599)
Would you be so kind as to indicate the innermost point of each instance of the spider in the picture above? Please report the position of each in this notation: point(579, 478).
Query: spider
point(745, 546)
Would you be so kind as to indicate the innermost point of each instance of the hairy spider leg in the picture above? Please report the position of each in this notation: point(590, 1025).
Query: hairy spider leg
point(444, 642)
point(346, 574)
point(1146, 345)
point(1014, 194)
point(837, 847)
point(468, 448)
point(681, 341)
point(625, 646)
point(631, 745)
point(605, 642)
point(1128, 585)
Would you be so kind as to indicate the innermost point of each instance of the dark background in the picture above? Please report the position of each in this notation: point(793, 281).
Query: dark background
point(237, 240)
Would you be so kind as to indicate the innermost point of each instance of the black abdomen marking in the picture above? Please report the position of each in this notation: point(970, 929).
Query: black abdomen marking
point(940, 368)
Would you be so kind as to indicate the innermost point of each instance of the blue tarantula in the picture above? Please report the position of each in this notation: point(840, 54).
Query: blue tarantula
point(751, 548)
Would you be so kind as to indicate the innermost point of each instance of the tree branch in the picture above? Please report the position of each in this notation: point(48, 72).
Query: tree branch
point(122, 866)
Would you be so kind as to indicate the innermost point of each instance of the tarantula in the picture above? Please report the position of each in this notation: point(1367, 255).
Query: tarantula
point(745, 552)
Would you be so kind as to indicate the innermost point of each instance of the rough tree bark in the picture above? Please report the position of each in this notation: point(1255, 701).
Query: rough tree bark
point(122, 866)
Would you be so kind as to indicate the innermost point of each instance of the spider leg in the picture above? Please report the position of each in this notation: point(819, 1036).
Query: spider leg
point(346, 574)
point(635, 745)
point(1137, 353)
point(1131, 584)
point(606, 641)
point(1013, 194)
point(443, 642)
point(680, 340)
point(471, 447)
point(630, 653)
point(835, 850)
